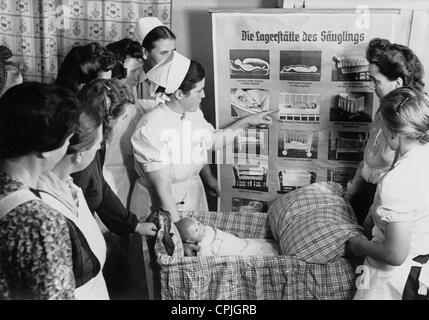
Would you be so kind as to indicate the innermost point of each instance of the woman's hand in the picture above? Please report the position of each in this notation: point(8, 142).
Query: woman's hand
point(146, 229)
point(161, 97)
point(351, 190)
point(354, 245)
point(214, 190)
point(261, 118)
point(190, 249)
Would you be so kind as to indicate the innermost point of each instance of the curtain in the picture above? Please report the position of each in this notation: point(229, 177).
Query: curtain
point(41, 32)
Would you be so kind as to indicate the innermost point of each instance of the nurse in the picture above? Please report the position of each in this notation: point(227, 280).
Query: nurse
point(171, 142)
point(157, 42)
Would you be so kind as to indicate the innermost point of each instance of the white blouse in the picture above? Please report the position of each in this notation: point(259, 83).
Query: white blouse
point(403, 195)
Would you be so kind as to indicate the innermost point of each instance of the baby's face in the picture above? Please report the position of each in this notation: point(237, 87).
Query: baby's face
point(196, 231)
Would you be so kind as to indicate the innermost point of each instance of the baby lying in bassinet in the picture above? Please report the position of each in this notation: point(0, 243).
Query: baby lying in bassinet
point(215, 242)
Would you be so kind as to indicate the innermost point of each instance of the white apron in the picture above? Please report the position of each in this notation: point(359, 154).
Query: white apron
point(385, 282)
point(118, 168)
point(189, 195)
point(96, 288)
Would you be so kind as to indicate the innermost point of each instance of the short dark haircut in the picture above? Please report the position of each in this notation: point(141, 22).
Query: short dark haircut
point(396, 61)
point(36, 117)
point(195, 74)
point(160, 32)
point(121, 49)
point(109, 97)
point(86, 132)
point(83, 64)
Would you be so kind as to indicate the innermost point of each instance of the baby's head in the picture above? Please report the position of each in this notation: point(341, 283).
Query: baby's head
point(190, 230)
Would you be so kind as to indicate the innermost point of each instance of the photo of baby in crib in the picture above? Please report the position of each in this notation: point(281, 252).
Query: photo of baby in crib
point(351, 107)
point(249, 64)
point(299, 107)
point(215, 242)
point(350, 67)
point(300, 65)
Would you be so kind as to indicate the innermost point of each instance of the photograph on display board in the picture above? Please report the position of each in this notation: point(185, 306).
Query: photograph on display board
point(251, 176)
point(347, 145)
point(245, 102)
point(249, 64)
point(352, 107)
point(341, 175)
point(291, 179)
point(253, 141)
point(300, 65)
point(298, 144)
point(248, 205)
point(350, 68)
point(299, 107)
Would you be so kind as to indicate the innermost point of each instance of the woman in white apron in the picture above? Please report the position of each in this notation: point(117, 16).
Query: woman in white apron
point(56, 188)
point(171, 142)
point(400, 212)
point(36, 123)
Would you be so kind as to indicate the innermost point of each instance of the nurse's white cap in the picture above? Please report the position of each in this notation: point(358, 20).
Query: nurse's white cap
point(170, 72)
point(146, 25)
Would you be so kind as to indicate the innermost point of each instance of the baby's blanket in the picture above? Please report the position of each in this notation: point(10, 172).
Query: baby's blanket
point(220, 243)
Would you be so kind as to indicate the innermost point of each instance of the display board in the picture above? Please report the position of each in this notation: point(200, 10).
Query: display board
point(311, 66)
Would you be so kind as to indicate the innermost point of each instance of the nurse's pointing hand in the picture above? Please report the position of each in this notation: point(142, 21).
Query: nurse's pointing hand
point(261, 118)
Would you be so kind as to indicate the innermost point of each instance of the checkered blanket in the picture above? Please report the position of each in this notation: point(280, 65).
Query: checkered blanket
point(247, 277)
point(313, 222)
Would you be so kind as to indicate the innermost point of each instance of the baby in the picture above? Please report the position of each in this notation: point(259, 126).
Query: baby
point(215, 242)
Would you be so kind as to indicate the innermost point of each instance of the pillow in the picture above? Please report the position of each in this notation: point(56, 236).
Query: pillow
point(313, 222)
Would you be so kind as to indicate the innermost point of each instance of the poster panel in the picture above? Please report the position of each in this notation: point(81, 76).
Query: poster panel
point(311, 67)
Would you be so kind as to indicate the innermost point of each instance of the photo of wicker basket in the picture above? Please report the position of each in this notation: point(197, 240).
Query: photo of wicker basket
point(245, 102)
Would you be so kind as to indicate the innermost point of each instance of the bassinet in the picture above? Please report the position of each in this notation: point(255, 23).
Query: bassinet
point(247, 277)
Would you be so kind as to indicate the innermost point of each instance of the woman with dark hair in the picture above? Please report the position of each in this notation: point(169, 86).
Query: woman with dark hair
point(109, 98)
point(171, 142)
point(390, 66)
point(83, 64)
point(36, 123)
point(129, 57)
point(119, 164)
point(57, 189)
